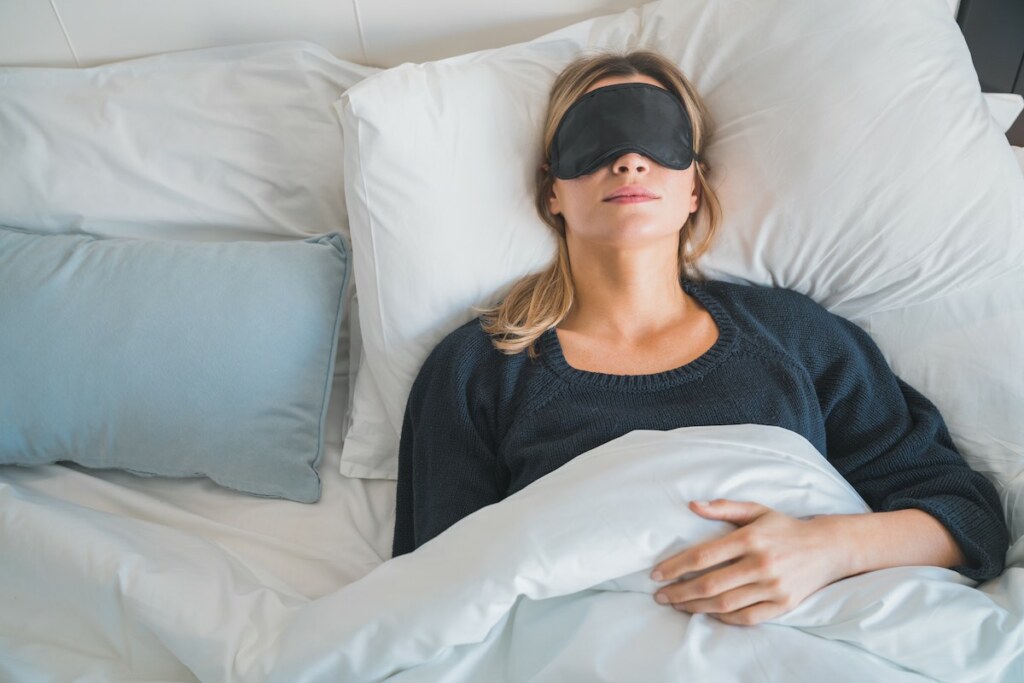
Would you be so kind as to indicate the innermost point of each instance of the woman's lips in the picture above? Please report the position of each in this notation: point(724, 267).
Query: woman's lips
point(630, 199)
point(631, 194)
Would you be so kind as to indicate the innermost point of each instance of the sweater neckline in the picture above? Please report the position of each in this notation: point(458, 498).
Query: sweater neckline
point(554, 358)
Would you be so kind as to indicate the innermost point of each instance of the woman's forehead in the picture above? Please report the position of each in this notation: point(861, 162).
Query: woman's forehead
point(615, 80)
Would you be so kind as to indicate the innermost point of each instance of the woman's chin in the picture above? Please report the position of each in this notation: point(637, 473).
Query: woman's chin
point(635, 234)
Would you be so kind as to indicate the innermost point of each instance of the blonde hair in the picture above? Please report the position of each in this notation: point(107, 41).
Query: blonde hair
point(540, 301)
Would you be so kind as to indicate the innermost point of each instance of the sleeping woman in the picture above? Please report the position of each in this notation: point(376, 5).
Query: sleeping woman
point(622, 332)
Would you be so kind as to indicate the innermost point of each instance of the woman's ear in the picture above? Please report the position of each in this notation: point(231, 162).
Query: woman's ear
point(553, 204)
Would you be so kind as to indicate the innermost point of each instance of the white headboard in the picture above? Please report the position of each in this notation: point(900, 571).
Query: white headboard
point(375, 32)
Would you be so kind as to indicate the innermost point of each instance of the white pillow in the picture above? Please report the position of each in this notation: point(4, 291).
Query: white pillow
point(220, 144)
point(854, 157)
point(203, 144)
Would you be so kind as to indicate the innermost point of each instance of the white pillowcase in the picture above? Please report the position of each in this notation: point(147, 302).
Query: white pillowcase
point(203, 144)
point(220, 144)
point(854, 157)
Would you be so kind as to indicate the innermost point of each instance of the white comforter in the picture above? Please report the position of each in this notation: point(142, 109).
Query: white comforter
point(550, 584)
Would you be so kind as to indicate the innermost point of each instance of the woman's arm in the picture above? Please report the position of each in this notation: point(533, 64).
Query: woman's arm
point(447, 457)
point(772, 562)
point(892, 445)
point(877, 540)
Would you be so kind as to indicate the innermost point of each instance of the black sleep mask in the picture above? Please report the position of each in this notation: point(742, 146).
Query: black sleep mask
point(615, 119)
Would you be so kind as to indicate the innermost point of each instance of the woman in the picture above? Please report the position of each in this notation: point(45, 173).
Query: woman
point(622, 332)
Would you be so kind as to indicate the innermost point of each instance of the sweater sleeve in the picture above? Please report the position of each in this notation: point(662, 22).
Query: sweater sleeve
point(447, 458)
point(890, 442)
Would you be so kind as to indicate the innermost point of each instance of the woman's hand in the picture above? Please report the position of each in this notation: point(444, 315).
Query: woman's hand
point(774, 561)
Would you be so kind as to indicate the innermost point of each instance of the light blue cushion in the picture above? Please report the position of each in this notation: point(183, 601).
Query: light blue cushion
point(179, 359)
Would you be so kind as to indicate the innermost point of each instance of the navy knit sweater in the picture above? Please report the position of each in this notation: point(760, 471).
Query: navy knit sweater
point(480, 425)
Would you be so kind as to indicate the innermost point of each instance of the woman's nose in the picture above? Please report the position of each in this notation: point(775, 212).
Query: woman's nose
point(631, 161)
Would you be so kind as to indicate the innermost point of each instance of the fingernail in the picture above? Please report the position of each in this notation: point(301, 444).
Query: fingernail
point(657, 576)
point(661, 598)
point(702, 503)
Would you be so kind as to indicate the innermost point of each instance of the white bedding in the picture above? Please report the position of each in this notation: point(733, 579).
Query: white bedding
point(106, 576)
point(550, 584)
point(313, 549)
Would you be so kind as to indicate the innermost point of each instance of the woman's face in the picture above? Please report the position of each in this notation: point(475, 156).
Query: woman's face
point(591, 213)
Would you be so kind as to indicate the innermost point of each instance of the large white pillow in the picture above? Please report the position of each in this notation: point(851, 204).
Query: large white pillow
point(202, 144)
point(219, 144)
point(855, 160)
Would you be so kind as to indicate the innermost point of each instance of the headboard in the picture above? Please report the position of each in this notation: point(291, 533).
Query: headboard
point(994, 31)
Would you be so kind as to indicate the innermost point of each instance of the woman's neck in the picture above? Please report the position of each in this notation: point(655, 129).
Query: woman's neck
point(626, 295)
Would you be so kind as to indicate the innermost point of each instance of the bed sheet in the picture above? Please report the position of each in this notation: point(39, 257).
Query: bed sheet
point(312, 548)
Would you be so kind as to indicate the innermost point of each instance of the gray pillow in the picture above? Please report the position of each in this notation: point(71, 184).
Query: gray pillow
point(179, 359)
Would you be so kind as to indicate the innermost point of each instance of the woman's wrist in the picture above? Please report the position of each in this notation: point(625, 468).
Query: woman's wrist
point(877, 540)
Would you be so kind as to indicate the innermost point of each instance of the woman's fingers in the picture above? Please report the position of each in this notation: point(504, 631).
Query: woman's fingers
point(714, 583)
point(730, 547)
point(764, 568)
point(755, 614)
point(728, 601)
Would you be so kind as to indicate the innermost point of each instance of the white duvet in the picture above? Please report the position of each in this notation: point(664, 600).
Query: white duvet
point(550, 584)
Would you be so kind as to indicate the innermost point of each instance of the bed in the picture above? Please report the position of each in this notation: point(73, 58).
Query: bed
point(221, 268)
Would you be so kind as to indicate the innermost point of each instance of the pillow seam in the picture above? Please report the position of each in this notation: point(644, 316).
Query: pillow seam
point(332, 357)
